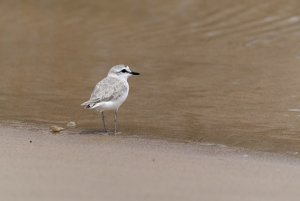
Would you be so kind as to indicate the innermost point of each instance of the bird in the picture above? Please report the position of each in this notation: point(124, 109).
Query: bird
point(111, 92)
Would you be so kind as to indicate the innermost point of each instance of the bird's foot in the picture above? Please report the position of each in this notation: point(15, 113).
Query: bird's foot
point(117, 132)
point(104, 132)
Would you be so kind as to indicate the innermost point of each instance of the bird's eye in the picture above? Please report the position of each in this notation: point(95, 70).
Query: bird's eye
point(124, 71)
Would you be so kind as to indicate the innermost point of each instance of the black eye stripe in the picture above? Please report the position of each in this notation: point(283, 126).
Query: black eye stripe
point(124, 71)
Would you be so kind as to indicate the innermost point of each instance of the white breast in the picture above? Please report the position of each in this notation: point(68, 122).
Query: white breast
point(113, 104)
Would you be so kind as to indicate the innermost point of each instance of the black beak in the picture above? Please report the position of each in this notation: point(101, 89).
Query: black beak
point(134, 73)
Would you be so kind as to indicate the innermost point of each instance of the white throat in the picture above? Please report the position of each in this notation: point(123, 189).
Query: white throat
point(121, 77)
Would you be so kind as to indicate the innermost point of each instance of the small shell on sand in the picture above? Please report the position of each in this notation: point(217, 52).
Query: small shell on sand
point(71, 124)
point(56, 129)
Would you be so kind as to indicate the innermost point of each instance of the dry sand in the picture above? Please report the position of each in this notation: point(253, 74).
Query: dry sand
point(94, 167)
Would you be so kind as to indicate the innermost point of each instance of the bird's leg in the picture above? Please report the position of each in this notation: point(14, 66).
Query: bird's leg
point(103, 121)
point(116, 121)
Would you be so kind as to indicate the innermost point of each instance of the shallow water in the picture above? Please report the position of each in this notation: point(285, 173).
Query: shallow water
point(212, 71)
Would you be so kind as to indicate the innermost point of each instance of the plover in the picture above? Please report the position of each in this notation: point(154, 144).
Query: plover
point(111, 92)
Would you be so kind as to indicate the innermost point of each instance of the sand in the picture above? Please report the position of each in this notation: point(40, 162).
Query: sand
point(38, 165)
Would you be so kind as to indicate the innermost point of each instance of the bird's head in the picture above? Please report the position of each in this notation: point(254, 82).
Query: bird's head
point(121, 71)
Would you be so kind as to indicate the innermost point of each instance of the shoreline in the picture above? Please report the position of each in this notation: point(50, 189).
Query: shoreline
point(285, 150)
point(70, 166)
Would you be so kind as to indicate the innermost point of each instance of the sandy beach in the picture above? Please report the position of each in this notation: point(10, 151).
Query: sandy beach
point(38, 165)
point(222, 72)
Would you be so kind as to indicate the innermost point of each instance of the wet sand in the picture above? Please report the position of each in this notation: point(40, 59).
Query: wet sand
point(72, 166)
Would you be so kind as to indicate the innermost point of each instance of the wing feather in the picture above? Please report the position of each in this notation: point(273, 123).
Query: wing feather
point(106, 90)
